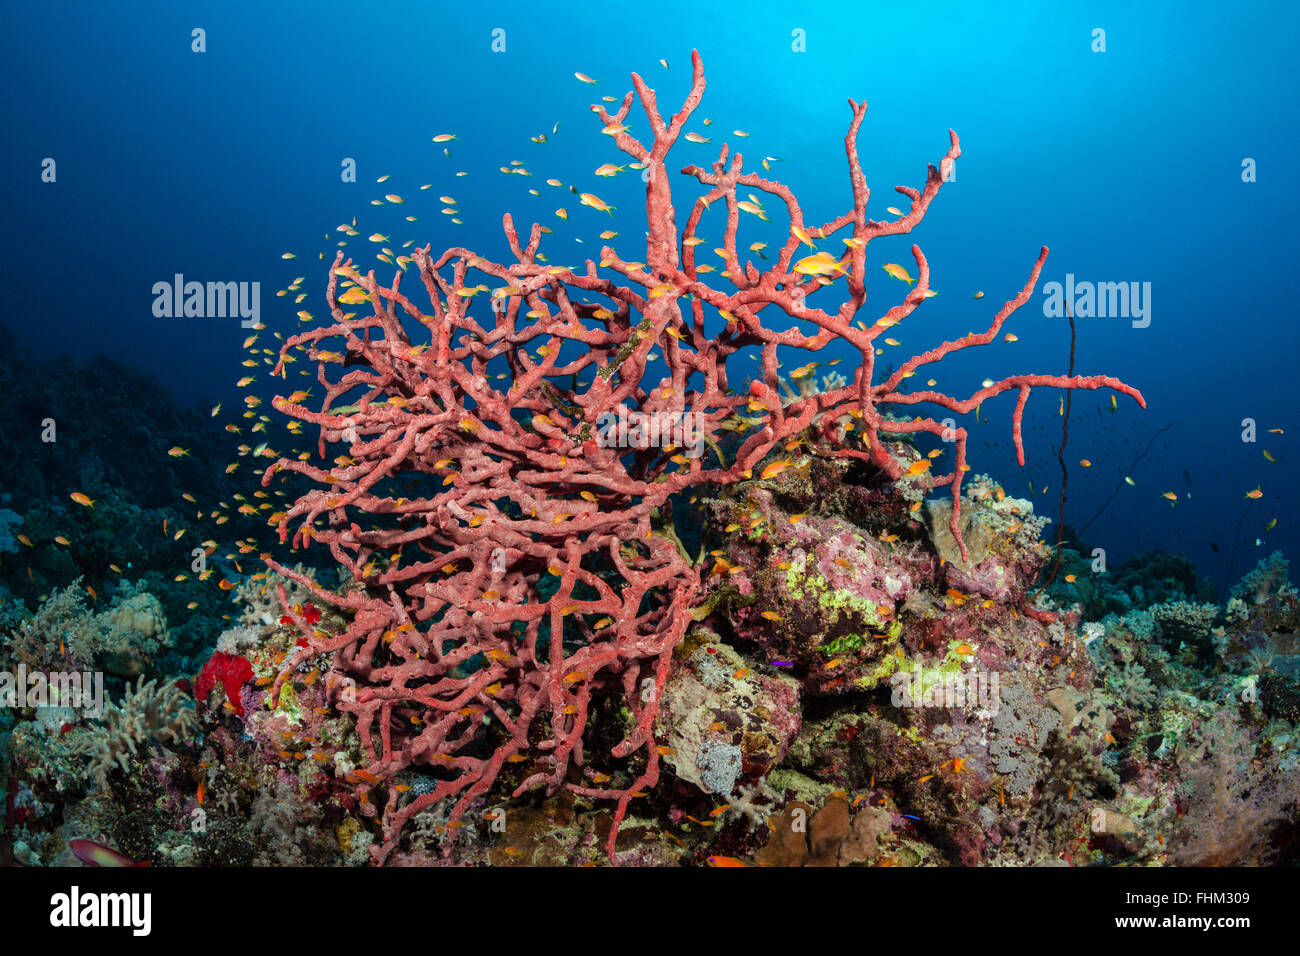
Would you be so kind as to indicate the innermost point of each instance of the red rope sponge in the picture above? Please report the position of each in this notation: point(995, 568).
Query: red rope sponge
point(513, 569)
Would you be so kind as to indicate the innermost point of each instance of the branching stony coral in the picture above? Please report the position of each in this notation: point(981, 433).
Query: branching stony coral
point(146, 715)
point(1142, 625)
point(1185, 620)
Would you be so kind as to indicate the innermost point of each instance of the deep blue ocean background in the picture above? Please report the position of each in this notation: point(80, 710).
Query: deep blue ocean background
point(1127, 163)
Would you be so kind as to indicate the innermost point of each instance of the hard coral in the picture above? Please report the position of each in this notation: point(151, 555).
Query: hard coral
point(833, 836)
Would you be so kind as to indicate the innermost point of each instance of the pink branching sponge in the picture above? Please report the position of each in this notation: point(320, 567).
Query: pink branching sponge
point(514, 574)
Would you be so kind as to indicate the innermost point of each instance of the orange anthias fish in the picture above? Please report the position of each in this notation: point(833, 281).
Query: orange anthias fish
point(774, 469)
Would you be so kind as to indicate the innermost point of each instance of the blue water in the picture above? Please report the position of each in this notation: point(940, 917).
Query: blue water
point(1127, 163)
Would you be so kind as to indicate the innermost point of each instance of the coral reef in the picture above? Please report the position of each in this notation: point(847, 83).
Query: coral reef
point(756, 637)
point(456, 634)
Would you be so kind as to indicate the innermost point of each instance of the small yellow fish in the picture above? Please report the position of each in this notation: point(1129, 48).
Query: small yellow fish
point(81, 499)
point(819, 264)
point(1255, 494)
point(595, 202)
point(896, 271)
